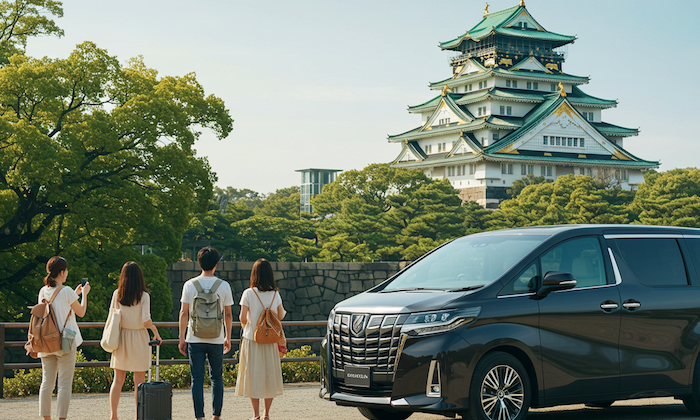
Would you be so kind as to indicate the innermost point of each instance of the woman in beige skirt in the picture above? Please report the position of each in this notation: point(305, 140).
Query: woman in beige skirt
point(259, 369)
point(133, 353)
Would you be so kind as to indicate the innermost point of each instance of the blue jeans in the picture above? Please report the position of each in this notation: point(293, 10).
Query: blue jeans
point(215, 353)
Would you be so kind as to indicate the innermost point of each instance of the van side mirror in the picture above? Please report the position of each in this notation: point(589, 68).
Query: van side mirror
point(556, 280)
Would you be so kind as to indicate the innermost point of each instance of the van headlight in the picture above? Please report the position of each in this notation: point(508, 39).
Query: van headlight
point(425, 323)
point(331, 318)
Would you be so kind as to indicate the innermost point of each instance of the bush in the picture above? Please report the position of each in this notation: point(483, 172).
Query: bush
point(99, 379)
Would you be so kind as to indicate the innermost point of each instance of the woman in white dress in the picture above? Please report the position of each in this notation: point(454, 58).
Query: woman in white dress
point(259, 369)
point(133, 353)
point(65, 306)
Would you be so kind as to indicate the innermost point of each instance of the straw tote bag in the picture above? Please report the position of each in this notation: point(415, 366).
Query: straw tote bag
point(110, 335)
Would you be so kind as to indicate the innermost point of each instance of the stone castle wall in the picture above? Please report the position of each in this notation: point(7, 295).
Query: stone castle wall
point(308, 290)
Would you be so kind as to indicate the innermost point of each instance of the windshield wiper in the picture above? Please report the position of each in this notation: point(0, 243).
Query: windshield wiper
point(407, 289)
point(465, 289)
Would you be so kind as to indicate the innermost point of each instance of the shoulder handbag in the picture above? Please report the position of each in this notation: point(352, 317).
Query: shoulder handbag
point(110, 334)
point(67, 336)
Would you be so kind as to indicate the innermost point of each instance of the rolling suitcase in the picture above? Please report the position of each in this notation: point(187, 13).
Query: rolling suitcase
point(155, 399)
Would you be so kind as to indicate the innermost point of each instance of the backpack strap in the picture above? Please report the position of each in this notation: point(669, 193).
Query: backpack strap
point(197, 286)
point(216, 285)
point(262, 304)
point(55, 294)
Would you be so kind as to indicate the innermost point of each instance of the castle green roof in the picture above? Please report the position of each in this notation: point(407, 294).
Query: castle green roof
point(496, 23)
point(512, 74)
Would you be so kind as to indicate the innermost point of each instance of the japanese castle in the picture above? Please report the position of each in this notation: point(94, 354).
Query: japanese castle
point(509, 110)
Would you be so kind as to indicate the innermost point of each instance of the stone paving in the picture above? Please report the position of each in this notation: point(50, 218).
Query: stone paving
point(301, 402)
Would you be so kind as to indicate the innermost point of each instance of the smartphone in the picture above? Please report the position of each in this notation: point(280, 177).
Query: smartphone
point(84, 281)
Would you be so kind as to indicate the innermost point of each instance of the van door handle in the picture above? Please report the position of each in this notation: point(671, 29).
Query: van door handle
point(609, 306)
point(631, 304)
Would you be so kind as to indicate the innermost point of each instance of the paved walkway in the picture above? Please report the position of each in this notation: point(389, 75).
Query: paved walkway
point(301, 402)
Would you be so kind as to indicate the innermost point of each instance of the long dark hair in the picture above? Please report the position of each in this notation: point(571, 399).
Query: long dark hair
point(53, 269)
point(262, 276)
point(131, 284)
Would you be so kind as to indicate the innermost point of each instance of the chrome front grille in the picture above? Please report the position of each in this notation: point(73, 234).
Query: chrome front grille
point(366, 340)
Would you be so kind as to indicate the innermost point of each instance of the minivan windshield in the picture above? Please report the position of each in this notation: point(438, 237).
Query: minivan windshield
point(466, 263)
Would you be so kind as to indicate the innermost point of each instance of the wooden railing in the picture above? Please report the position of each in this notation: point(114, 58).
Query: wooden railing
point(24, 325)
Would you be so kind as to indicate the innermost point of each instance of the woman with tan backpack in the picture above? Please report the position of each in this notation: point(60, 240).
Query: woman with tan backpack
point(260, 371)
point(65, 306)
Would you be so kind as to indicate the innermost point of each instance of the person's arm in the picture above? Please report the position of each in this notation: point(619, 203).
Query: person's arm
point(81, 308)
point(184, 319)
point(243, 317)
point(149, 325)
point(281, 312)
point(228, 321)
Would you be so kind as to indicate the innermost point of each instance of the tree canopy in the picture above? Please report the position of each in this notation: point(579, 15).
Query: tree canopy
point(98, 159)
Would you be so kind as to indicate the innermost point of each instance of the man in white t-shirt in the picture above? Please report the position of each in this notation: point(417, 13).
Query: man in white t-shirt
point(199, 348)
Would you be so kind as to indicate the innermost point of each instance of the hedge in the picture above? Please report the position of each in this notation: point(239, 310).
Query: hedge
point(99, 379)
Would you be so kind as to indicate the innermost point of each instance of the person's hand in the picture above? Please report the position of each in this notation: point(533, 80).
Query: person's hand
point(84, 289)
point(79, 290)
point(227, 345)
point(156, 336)
point(182, 346)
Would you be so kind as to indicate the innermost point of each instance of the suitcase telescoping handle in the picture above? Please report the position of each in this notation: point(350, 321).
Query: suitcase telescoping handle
point(156, 344)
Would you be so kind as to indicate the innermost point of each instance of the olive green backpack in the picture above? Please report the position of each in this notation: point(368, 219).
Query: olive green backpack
point(207, 316)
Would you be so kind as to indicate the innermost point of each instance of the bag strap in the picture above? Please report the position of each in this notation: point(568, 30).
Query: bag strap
point(55, 294)
point(197, 286)
point(262, 304)
point(69, 312)
point(216, 285)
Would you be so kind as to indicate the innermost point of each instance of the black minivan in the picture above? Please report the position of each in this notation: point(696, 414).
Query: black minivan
point(488, 325)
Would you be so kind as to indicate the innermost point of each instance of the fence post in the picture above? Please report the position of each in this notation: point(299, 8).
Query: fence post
point(2, 360)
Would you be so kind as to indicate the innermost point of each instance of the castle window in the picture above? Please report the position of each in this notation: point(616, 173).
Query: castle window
point(507, 168)
point(535, 86)
point(569, 141)
point(515, 84)
point(496, 137)
point(575, 142)
point(546, 170)
point(589, 172)
point(479, 114)
point(503, 110)
point(553, 87)
point(545, 140)
point(481, 84)
point(486, 83)
point(444, 121)
point(525, 25)
point(529, 85)
point(624, 175)
point(472, 168)
point(509, 110)
point(558, 140)
point(581, 142)
point(507, 83)
point(428, 148)
point(581, 171)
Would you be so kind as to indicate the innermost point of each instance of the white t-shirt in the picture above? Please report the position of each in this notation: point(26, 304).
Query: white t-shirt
point(61, 307)
point(255, 308)
point(225, 299)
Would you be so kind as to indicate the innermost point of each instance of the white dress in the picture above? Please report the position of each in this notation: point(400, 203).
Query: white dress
point(259, 368)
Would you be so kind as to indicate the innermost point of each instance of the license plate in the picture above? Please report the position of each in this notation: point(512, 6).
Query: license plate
point(358, 376)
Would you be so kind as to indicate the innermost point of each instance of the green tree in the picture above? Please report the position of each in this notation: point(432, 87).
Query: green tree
point(21, 19)
point(284, 203)
point(97, 158)
point(519, 184)
point(669, 198)
point(571, 199)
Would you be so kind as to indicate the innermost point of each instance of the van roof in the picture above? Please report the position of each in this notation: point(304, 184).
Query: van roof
point(609, 228)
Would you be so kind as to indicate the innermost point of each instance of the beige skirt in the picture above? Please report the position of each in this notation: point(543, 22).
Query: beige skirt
point(259, 370)
point(133, 353)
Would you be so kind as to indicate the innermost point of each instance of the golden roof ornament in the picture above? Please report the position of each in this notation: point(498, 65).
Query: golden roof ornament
point(522, 3)
point(486, 9)
point(562, 92)
point(444, 90)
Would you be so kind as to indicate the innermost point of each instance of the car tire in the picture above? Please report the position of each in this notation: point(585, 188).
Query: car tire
point(600, 404)
point(500, 389)
point(692, 402)
point(381, 414)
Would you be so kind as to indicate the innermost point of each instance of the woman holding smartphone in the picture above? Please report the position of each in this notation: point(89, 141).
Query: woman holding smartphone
point(65, 306)
point(133, 353)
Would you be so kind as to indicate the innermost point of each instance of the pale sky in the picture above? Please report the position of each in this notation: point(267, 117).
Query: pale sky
point(321, 83)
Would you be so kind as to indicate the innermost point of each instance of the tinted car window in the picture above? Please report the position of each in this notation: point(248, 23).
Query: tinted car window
point(694, 247)
point(470, 261)
point(581, 257)
point(655, 262)
point(525, 282)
